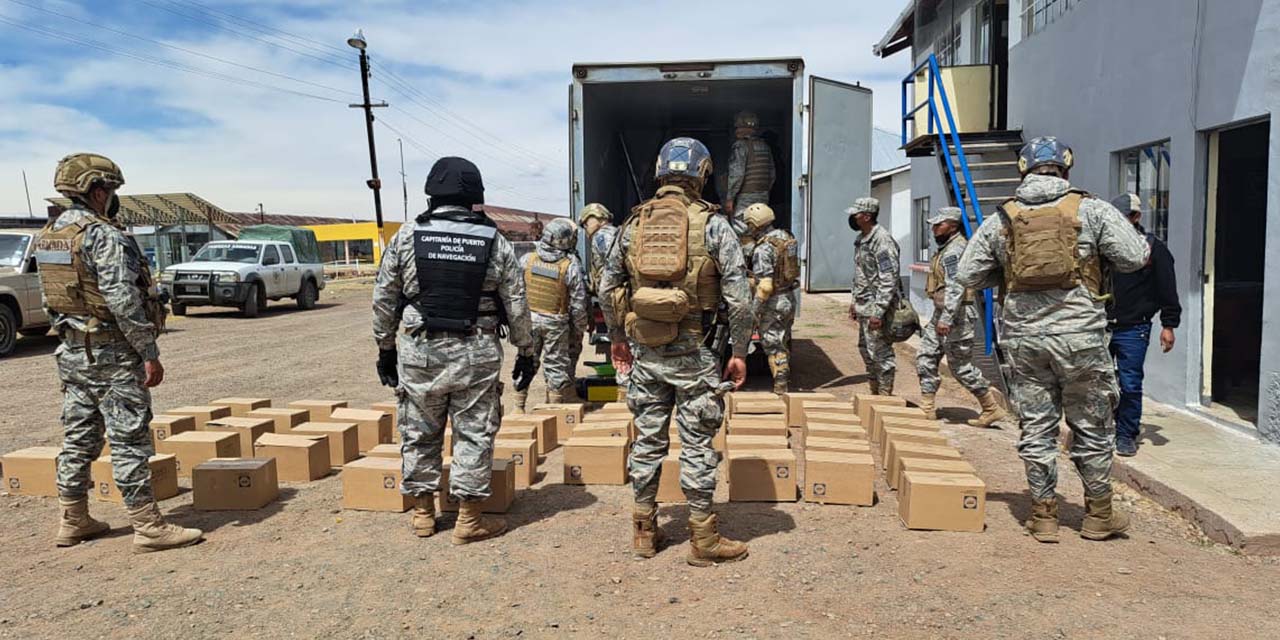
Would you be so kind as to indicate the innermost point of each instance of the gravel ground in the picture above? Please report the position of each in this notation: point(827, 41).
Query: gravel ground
point(304, 568)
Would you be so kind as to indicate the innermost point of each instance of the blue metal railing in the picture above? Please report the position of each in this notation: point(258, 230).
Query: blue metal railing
point(952, 152)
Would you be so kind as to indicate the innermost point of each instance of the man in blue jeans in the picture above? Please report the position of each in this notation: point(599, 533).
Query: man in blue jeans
point(1137, 298)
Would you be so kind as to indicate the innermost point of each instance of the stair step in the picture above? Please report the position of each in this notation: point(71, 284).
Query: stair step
point(995, 164)
point(991, 182)
point(991, 146)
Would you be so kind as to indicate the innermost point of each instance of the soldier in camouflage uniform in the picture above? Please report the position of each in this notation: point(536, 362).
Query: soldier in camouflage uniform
point(951, 330)
point(875, 292)
point(558, 304)
point(776, 267)
point(99, 294)
point(673, 372)
point(1054, 327)
point(751, 173)
point(597, 222)
point(446, 286)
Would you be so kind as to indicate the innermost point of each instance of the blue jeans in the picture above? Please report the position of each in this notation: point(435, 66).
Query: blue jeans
point(1129, 349)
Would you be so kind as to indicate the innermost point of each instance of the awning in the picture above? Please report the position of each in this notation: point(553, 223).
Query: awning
point(899, 35)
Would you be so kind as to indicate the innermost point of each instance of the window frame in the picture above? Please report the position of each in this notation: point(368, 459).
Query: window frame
point(286, 254)
point(1152, 190)
point(920, 210)
point(268, 251)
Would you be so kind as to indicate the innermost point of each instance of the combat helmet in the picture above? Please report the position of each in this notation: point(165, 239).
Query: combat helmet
point(746, 120)
point(78, 173)
point(1044, 151)
point(595, 210)
point(683, 160)
point(758, 216)
point(561, 234)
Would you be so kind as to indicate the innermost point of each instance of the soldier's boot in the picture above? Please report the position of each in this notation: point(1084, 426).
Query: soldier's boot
point(886, 389)
point(424, 515)
point(152, 533)
point(474, 526)
point(622, 393)
point(928, 404)
point(781, 370)
point(646, 537)
point(874, 386)
point(522, 400)
point(707, 547)
point(1101, 519)
point(1043, 523)
point(992, 412)
point(569, 394)
point(76, 526)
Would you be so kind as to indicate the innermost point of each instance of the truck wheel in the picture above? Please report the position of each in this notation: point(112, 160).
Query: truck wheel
point(254, 302)
point(178, 308)
point(307, 295)
point(8, 331)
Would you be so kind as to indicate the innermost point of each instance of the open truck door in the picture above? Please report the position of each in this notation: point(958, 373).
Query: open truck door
point(839, 171)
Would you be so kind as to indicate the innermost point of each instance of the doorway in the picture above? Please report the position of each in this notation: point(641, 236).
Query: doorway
point(1234, 270)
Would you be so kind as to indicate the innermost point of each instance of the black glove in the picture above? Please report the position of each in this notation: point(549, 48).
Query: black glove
point(523, 372)
point(387, 373)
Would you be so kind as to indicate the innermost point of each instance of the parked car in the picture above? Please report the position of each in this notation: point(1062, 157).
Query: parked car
point(244, 274)
point(21, 305)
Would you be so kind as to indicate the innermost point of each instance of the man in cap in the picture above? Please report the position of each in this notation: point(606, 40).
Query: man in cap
point(951, 330)
point(447, 286)
point(558, 305)
point(1049, 248)
point(597, 222)
point(99, 294)
point(776, 265)
point(1137, 298)
point(875, 291)
point(673, 264)
point(751, 169)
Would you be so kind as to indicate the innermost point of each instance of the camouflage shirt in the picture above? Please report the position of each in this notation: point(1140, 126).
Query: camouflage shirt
point(600, 243)
point(398, 280)
point(1104, 232)
point(875, 272)
point(764, 259)
point(576, 290)
point(953, 292)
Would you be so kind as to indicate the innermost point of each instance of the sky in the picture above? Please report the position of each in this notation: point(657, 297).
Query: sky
point(246, 101)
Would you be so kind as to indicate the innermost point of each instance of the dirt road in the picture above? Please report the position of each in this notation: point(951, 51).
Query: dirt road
point(304, 568)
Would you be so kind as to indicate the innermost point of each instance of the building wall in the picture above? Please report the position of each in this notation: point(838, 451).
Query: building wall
point(354, 231)
point(894, 194)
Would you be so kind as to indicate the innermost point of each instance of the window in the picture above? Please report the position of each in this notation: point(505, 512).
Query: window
point(1038, 14)
point(982, 33)
point(1145, 171)
point(288, 253)
point(924, 234)
point(270, 256)
point(948, 45)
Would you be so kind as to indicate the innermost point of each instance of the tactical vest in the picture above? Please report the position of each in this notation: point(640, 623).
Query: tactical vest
point(935, 285)
point(545, 285)
point(757, 177)
point(786, 262)
point(1042, 247)
point(451, 252)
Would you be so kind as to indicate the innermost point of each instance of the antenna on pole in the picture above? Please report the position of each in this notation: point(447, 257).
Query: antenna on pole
point(404, 181)
point(30, 212)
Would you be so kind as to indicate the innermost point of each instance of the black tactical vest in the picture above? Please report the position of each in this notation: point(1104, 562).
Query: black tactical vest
point(451, 250)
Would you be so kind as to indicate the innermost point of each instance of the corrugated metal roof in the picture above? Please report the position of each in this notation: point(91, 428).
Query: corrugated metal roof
point(886, 152)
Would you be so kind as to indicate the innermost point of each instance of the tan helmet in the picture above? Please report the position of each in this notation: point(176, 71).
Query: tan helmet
point(758, 216)
point(746, 119)
point(595, 210)
point(79, 172)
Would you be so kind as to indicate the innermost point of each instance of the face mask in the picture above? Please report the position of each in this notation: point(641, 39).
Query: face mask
point(853, 222)
point(942, 239)
point(113, 207)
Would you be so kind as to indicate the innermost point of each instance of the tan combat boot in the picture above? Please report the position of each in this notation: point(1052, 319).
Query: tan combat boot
point(992, 412)
point(886, 389)
point(1101, 519)
point(929, 405)
point(874, 386)
point(555, 396)
point(152, 533)
point(473, 526)
point(569, 394)
point(424, 515)
point(76, 525)
point(522, 400)
point(622, 393)
point(707, 547)
point(644, 526)
point(1043, 523)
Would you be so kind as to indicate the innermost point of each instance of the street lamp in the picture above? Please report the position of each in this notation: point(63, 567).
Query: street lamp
point(358, 43)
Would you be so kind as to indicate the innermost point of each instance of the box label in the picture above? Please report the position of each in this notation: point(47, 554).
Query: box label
point(819, 489)
point(244, 481)
point(104, 488)
point(970, 502)
point(782, 471)
point(162, 433)
point(15, 483)
point(388, 482)
point(517, 459)
point(575, 471)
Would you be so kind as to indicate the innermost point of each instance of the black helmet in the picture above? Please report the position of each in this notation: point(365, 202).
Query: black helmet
point(455, 180)
point(685, 157)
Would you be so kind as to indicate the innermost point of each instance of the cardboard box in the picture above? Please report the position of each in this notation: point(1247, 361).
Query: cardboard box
point(756, 425)
point(344, 443)
point(319, 409)
point(524, 460)
point(906, 422)
point(373, 484)
point(568, 416)
point(840, 445)
point(894, 434)
point(385, 451)
point(839, 478)
point(767, 475)
point(880, 412)
point(825, 417)
point(201, 413)
point(795, 405)
point(390, 408)
point(372, 427)
point(285, 419)
point(32, 471)
point(613, 408)
point(298, 458)
point(240, 407)
point(225, 484)
point(900, 450)
point(164, 478)
point(248, 429)
point(595, 461)
point(942, 501)
point(737, 442)
point(863, 403)
point(732, 398)
point(847, 432)
point(669, 491)
point(546, 429)
point(517, 431)
point(193, 447)
point(773, 406)
point(502, 487)
point(929, 465)
point(163, 426)
point(604, 430)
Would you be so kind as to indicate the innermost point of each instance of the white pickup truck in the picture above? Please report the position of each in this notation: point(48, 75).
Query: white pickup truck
point(21, 306)
point(243, 274)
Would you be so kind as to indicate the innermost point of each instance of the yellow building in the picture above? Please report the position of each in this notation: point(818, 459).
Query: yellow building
point(352, 242)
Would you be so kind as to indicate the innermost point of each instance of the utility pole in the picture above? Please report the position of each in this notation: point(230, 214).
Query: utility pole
point(404, 180)
point(262, 214)
point(30, 213)
point(358, 42)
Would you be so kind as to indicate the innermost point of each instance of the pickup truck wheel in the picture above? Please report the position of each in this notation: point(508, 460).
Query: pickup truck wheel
point(307, 295)
point(8, 331)
point(254, 302)
point(178, 308)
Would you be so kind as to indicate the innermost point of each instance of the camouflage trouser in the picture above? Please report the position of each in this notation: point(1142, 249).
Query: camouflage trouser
point(1069, 374)
point(684, 385)
point(553, 344)
point(958, 347)
point(575, 352)
point(105, 398)
point(775, 317)
point(877, 355)
point(455, 378)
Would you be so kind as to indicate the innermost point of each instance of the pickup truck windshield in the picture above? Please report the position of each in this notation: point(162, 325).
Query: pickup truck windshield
point(12, 247)
point(243, 253)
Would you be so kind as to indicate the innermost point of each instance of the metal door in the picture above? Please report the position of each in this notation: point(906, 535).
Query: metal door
point(839, 171)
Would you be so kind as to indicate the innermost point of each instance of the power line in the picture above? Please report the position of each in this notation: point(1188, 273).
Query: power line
point(315, 45)
point(222, 27)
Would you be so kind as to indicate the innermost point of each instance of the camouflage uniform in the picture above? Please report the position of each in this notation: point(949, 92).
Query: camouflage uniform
point(1055, 341)
point(743, 189)
point(554, 335)
point(601, 241)
point(681, 377)
point(957, 312)
point(774, 316)
point(875, 291)
point(448, 375)
point(102, 377)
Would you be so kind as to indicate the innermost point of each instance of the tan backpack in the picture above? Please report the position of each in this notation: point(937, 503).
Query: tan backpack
point(786, 265)
point(1042, 246)
point(660, 244)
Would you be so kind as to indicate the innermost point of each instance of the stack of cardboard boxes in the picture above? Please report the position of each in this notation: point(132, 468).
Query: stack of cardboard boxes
point(838, 468)
point(761, 467)
point(597, 448)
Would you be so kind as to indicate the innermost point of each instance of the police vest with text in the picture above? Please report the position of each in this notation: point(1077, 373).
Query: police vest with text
point(451, 251)
point(1042, 247)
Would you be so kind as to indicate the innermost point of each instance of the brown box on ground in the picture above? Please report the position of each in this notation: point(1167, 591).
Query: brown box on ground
point(386, 451)
point(193, 447)
point(372, 427)
point(613, 408)
point(828, 406)
point(248, 429)
point(201, 413)
point(373, 484)
point(517, 431)
point(737, 442)
point(240, 407)
point(669, 491)
point(826, 417)
point(546, 425)
point(904, 422)
point(224, 484)
point(942, 501)
point(839, 478)
point(298, 458)
point(879, 412)
point(164, 425)
point(32, 471)
point(319, 409)
point(928, 465)
point(823, 430)
point(285, 419)
point(524, 460)
point(604, 430)
point(344, 443)
point(502, 488)
point(795, 405)
point(732, 398)
point(164, 478)
point(900, 450)
point(568, 416)
point(755, 425)
point(392, 409)
point(894, 434)
point(863, 403)
point(845, 445)
point(767, 475)
point(595, 461)
point(773, 406)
